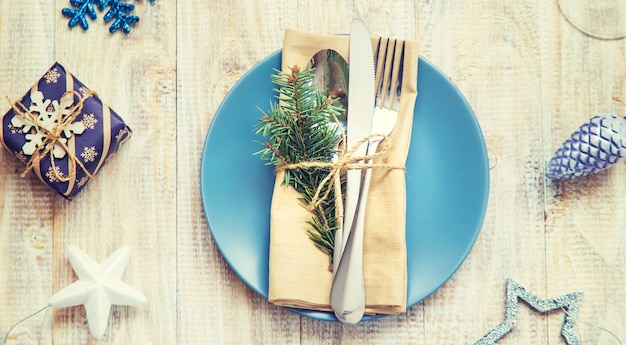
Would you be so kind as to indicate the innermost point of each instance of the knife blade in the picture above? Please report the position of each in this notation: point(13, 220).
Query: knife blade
point(359, 116)
point(347, 297)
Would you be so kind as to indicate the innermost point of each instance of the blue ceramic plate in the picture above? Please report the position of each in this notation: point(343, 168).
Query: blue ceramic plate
point(447, 181)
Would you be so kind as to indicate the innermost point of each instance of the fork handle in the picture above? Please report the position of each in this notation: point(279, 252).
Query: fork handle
point(347, 294)
point(359, 217)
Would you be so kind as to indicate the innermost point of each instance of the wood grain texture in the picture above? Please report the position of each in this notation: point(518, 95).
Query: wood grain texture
point(26, 222)
point(585, 237)
point(495, 42)
point(132, 200)
point(530, 76)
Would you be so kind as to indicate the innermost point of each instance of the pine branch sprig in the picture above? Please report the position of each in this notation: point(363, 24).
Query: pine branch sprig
point(299, 127)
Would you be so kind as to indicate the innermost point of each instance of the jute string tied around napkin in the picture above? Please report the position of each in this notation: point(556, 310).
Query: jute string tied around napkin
point(53, 136)
point(346, 160)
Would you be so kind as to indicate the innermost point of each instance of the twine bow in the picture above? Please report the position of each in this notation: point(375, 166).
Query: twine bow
point(346, 160)
point(53, 136)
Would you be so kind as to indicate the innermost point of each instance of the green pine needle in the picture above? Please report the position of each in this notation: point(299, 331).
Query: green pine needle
point(299, 127)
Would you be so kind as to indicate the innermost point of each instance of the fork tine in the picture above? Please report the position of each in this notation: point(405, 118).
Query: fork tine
point(395, 88)
point(380, 66)
point(389, 69)
point(387, 73)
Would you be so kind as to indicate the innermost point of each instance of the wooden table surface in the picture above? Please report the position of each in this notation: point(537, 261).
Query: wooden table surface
point(530, 76)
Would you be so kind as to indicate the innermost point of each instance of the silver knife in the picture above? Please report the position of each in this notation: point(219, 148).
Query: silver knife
point(347, 296)
point(359, 119)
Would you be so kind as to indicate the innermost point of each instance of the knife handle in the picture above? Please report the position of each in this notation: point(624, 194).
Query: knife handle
point(347, 294)
point(353, 188)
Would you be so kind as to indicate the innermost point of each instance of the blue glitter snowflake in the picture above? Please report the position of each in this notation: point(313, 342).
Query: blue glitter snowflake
point(85, 7)
point(118, 11)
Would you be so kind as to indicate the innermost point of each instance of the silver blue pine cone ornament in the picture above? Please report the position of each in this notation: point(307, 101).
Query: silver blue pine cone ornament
point(596, 145)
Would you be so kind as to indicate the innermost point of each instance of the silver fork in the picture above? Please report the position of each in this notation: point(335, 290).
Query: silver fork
point(389, 67)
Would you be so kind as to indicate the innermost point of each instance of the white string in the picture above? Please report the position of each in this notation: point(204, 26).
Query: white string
point(576, 320)
point(43, 320)
point(46, 308)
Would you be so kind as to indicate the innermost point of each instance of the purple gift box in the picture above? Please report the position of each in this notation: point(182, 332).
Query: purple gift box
point(62, 131)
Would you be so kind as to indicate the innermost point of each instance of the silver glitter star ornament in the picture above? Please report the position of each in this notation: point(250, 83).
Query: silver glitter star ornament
point(514, 291)
point(98, 287)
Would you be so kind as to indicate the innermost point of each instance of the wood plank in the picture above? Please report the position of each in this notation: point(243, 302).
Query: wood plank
point(215, 306)
point(491, 52)
point(132, 199)
point(585, 236)
point(26, 204)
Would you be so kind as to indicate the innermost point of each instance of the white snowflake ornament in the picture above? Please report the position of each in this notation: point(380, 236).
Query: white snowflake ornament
point(38, 105)
point(48, 113)
point(98, 287)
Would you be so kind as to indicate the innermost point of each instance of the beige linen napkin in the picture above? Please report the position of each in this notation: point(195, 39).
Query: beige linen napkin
point(298, 272)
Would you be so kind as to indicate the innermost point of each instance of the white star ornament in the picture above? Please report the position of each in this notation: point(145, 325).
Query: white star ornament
point(98, 287)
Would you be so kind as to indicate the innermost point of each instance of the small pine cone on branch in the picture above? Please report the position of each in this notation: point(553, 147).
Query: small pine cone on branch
point(596, 145)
